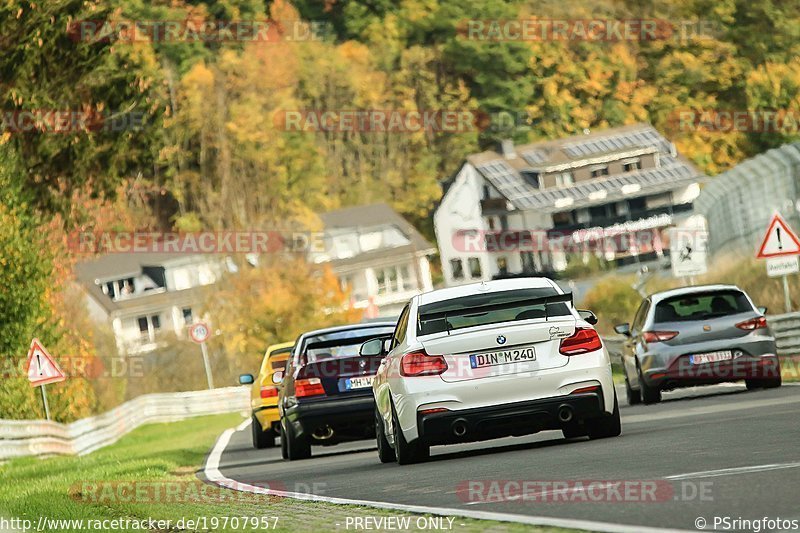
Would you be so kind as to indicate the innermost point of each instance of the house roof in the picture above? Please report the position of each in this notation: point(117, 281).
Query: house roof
point(124, 265)
point(506, 173)
point(372, 216)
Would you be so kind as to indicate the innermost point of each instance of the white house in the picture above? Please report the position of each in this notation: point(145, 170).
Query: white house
point(377, 255)
point(526, 210)
point(143, 295)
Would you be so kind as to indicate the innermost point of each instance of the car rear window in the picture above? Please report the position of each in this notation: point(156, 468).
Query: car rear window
point(340, 344)
point(702, 306)
point(503, 306)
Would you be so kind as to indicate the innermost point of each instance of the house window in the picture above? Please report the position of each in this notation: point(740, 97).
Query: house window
point(475, 267)
point(457, 268)
point(564, 179)
point(187, 315)
point(630, 166)
point(393, 279)
point(502, 266)
point(503, 222)
point(486, 192)
point(491, 223)
point(599, 171)
point(148, 326)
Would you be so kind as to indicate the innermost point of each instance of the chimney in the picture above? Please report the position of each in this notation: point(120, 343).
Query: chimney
point(507, 149)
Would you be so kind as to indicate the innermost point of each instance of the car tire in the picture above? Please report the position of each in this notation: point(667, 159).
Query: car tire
point(607, 426)
point(573, 431)
point(407, 452)
point(634, 396)
point(296, 447)
point(261, 439)
point(284, 450)
point(385, 452)
point(770, 383)
point(650, 395)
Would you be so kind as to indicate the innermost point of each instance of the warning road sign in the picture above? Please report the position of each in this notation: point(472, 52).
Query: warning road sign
point(42, 368)
point(779, 240)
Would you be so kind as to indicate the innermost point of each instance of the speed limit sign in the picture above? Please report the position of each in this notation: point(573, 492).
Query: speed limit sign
point(199, 332)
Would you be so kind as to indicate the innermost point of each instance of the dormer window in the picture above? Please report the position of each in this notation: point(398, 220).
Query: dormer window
point(532, 177)
point(630, 166)
point(564, 179)
point(598, 172)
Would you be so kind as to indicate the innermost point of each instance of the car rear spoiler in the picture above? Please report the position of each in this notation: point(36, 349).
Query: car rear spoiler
point(546, 300)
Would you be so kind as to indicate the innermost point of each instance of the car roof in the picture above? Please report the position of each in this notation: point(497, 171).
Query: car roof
point(695, 289)
point(497, 285)
point(280, 346)
point(347, 327)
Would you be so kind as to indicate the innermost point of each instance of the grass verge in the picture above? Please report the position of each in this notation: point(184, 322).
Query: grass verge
point(151, 474)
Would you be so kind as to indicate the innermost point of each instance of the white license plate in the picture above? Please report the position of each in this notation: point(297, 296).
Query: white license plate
point(711, 357)
point(503, 357)
point(358, 383)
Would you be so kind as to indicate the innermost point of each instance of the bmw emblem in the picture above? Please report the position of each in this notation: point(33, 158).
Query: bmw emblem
point(501, 339)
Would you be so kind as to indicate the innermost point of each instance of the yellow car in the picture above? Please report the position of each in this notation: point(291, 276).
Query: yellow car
point(264, 394)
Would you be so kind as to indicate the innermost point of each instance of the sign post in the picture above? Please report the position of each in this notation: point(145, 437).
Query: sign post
point(688, 252)
point(42, 369)
point(780, 247)
point(199, 333)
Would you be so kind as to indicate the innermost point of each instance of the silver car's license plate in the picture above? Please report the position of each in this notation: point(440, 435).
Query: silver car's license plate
point(503, 357)
point(711, 357)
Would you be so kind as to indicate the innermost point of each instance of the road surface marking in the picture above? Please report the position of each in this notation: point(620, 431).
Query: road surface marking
point(734, 471)
point(213, 474)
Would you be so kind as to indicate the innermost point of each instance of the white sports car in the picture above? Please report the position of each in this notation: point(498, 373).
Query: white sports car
point(488, 360)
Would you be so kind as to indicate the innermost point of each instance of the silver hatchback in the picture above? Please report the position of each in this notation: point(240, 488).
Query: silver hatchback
point(697, 336)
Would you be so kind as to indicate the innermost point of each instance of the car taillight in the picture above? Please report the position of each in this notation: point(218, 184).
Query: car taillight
point(421, 364)
point(308, 387)
point(584, 340)
point(658, 336)
point(756, 323)
point(269, 392)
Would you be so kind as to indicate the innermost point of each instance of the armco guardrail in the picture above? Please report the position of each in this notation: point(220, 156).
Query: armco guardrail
point(20, 438)
point(786, 329)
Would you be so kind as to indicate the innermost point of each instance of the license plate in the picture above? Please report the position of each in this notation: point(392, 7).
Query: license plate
point(711, 357)
point(358, 383)
point(504, 357)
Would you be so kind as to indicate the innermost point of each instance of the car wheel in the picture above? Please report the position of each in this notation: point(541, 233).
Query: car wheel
point(296, 447)
point(284, 450)
point(634, 396)
point(770, 383)
point(650, 394)
point(573, 431)
point(407, 452)
point(607, 426)
point(261, 439)
point(385, 451)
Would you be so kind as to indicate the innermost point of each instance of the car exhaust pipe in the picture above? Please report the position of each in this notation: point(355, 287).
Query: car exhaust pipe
point(565, 413)
point(323, 433)
point(459, 428)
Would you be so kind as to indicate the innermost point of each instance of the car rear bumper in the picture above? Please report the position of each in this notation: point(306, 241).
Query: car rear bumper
point(516, 419)
point(349, 418)
point(682, 373)
point(268, 416)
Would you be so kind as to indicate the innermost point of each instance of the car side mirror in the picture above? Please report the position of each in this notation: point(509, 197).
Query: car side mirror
point(762, 310)
point(246, 379)
point(588, 316)
point(372, 348)
point(277, 376)
point(623, 329)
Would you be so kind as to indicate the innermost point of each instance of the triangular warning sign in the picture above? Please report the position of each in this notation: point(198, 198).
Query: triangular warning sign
point(779, 240)
point(42, 368)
